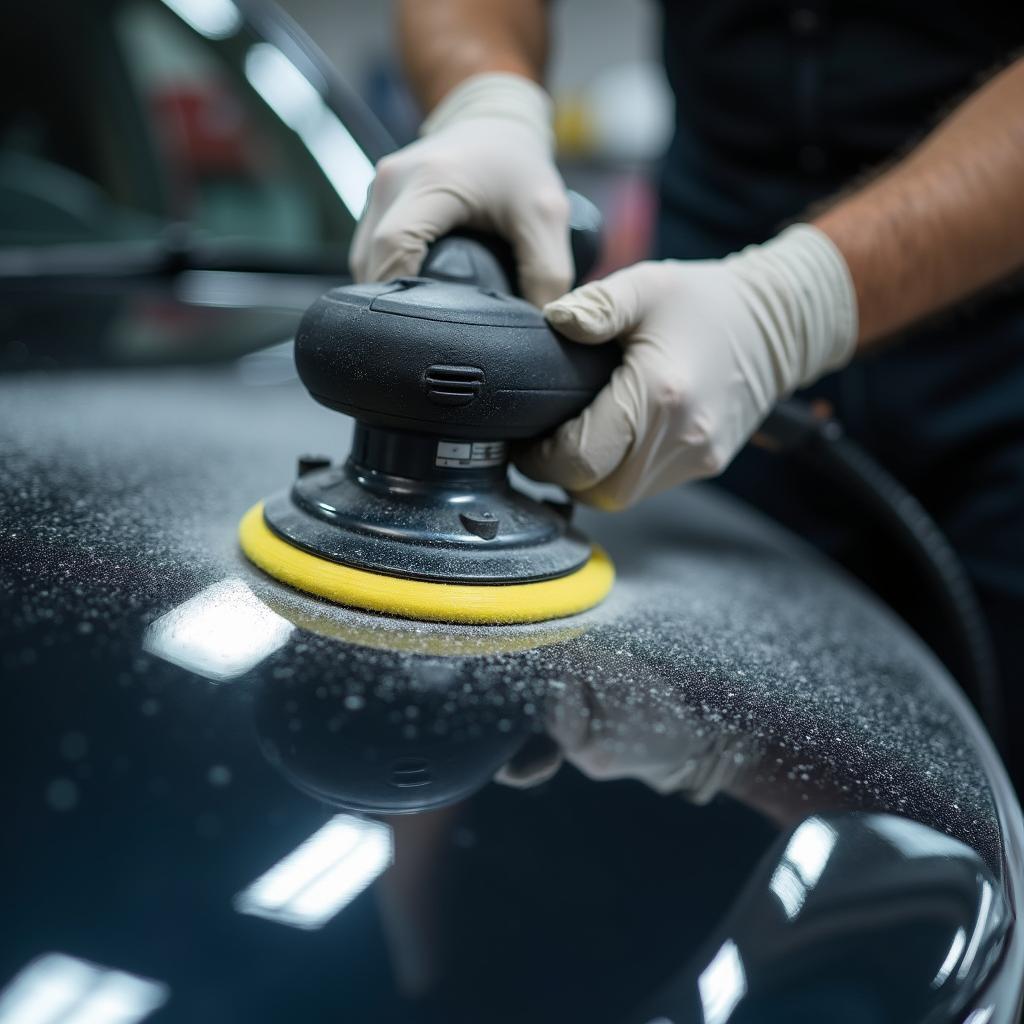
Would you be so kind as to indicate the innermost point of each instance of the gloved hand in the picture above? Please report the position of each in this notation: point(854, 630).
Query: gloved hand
point(710, 347)
point(620, 733)
point(485, 160)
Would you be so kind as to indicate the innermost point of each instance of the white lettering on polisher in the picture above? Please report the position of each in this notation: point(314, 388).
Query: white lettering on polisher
point(469, 454)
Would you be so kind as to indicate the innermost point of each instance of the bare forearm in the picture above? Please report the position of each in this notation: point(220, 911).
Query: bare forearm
point(944, 222)
point(445, 41)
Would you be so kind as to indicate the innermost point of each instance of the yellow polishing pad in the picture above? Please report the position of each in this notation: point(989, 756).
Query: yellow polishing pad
point(417, 599)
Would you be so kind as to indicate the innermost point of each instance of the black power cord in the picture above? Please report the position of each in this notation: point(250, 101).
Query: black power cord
point(821, 444)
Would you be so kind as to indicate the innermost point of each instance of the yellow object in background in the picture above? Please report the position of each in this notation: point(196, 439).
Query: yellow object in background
point(574, 127)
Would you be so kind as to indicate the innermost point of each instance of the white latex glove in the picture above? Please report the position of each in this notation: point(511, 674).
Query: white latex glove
point(710, 346)
point(485, 160)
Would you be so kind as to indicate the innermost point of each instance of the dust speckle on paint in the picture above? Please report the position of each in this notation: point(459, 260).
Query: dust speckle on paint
point(62, 794)
point(73, 746)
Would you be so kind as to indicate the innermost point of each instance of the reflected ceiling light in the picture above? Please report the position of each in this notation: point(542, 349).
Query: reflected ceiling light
point(952, 958)
point(803, 861)
point(810, 848)
point(297, 102)
point(222, 632)
point(722, 984)
point(322, 876)
point(980, 926)
point(982, 1016)
point(789, 889)
point(60, 989)
point(215, 19)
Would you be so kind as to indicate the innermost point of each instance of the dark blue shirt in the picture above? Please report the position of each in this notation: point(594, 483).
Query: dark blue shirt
point(779, 104)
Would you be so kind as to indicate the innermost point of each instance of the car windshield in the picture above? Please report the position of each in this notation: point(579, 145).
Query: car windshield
point(122, 119)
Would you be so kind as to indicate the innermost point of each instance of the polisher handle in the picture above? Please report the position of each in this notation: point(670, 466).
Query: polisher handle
point(452, 353)
point(483, 259)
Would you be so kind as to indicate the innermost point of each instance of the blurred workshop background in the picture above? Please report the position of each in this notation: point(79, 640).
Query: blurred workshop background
point(614, 108)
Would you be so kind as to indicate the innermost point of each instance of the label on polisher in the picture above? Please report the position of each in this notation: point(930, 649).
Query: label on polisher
point(469, 454)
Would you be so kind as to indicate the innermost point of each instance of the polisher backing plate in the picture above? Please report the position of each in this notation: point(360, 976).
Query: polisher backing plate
point(416, 599)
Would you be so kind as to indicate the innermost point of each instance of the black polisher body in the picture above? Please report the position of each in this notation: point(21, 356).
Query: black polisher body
point(441, 374)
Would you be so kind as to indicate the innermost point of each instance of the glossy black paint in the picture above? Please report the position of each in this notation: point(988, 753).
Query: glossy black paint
point(728, 659)
point(369, 761)
point(849, 918)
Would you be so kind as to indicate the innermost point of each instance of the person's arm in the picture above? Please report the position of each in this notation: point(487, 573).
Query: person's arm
point(486, 153)
point(944, 222)
point(444, 42)
point(712, 345)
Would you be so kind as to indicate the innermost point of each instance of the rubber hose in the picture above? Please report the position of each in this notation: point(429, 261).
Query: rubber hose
point(822, 445)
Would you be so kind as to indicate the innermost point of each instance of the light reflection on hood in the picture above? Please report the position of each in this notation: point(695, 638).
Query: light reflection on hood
point(222, 632)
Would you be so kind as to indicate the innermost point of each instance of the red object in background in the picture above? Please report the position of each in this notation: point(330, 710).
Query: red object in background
point(205, 128)
point(630, 210)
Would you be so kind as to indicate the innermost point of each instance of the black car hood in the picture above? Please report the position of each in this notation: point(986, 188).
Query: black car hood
point(153, 775)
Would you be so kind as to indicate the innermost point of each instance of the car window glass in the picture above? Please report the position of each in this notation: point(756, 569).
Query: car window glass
point(131, 120)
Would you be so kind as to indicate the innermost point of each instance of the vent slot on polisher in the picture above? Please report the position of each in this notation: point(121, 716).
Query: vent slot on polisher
point(453, 385)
